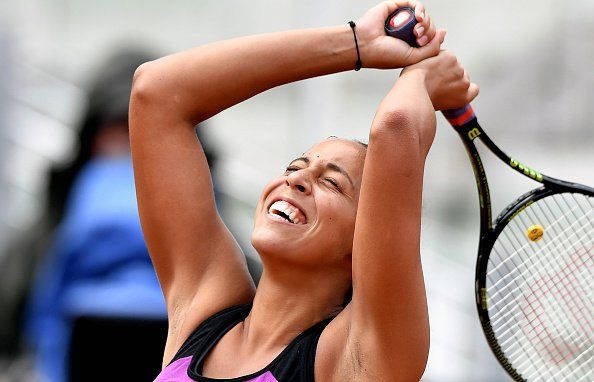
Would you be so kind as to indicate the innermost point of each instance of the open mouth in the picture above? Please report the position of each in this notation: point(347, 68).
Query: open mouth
point(287, 211)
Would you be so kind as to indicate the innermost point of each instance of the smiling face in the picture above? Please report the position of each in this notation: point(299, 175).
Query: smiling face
point(306, 217)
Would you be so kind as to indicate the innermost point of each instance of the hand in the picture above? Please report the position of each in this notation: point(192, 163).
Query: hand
point(384, 52)
point(446, 81)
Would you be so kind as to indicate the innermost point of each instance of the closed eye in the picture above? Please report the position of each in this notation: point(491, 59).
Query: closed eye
point(333, 183)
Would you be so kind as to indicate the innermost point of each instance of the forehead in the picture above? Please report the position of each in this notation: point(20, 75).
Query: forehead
point(347, 154)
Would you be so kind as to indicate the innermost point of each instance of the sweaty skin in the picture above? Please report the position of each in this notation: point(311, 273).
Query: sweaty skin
point(360, 228)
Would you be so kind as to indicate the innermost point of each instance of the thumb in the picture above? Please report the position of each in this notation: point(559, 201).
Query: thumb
point(429, 50)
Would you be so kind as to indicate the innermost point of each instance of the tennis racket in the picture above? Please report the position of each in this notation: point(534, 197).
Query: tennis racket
point(535, 267)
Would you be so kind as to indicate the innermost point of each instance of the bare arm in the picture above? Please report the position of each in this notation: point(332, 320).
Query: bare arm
point(388, 313)
point(172, 94)
point(199, 265)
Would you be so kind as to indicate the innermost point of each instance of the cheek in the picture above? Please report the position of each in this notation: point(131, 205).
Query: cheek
point(339, 215)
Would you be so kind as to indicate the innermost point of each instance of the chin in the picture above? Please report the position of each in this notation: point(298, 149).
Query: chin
point(269, 241)
point(278, 249)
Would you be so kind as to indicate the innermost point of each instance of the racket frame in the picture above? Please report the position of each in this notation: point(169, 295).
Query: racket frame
point(469, 129)
point(466, 125)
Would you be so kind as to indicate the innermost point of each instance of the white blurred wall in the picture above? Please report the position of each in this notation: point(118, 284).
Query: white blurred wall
point(532, 59)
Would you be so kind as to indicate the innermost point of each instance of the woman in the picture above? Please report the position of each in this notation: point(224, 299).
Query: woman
point(341, 215)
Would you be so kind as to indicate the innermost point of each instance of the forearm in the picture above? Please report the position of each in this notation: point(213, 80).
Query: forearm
point(386, 245)
point(200, 82)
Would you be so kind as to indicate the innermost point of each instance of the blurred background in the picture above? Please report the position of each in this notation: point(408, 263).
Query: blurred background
point(66, 192)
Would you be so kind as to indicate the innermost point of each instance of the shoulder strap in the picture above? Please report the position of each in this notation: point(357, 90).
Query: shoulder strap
point(311, 347)
point(296, 362)
point(205, 335)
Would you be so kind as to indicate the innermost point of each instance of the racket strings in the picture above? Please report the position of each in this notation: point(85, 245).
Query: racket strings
point(511, 271)
point(542, 334)
point(518, 286)
point(527, 244)
point(559, 239)
point(558, 351)
point(563, 272)
point(537, 332)
point(565, 333)
point(540, 293)
point(567, 283)
point(516, 267)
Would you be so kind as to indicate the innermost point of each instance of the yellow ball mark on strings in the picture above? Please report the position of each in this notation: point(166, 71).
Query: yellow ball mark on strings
point(535, 232)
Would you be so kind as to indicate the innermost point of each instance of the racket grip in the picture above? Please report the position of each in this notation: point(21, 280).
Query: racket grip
point(458, 117)
point(401, 24)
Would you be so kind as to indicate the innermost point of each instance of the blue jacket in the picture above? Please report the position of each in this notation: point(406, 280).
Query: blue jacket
point(98, 265)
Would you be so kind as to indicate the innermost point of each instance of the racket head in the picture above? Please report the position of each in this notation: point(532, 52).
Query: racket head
point(534, 283)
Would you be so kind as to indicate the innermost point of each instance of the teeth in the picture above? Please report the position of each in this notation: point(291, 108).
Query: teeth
point(282, 206)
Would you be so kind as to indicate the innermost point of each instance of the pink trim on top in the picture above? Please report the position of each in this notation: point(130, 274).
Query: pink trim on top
point(178, 372)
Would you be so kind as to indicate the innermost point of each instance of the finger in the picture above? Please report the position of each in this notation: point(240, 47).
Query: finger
point(472, 92)
point(429, 31)
point(465, 75)
point(424, 38)
point(466, 80)
point(429, 50)
point(424, 24)
point(418, 7)
point(419, 30)
point(420, 12)
point(394, 5)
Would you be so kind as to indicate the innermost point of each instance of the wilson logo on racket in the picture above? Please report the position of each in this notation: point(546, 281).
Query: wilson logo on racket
point(472, 134)
point(527, 170)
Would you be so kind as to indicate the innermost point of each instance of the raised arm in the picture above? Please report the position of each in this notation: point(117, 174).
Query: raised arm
point(199, 265)
point(388, 313)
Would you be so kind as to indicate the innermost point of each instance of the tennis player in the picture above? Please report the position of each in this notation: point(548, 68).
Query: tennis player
point(341, 216)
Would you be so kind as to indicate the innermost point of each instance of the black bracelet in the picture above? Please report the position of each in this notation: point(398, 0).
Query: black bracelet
point(358, 64)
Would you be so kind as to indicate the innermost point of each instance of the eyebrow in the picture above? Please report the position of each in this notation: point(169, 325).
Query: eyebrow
point(330, 166)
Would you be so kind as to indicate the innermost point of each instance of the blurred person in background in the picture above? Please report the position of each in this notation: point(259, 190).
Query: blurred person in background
point(342, 215)
point(96, 284)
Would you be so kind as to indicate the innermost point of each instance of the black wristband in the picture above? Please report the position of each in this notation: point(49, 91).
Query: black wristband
point(358, 64)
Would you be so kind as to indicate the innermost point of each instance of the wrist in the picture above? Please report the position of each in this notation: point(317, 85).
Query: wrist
point(317, 51)
point(358, 63)
point(418, 75)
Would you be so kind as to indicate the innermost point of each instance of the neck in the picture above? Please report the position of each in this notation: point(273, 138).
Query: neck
point(282, 309)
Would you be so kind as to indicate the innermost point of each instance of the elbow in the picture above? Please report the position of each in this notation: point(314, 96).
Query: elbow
point(156, 91)
point(404, 127)
point(394, 128)
point(395, 121)
point(143, 84)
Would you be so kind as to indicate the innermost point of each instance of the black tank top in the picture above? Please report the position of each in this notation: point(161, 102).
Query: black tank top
point(294, 364)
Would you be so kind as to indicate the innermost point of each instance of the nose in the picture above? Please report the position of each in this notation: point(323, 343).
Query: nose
point(299, 181)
